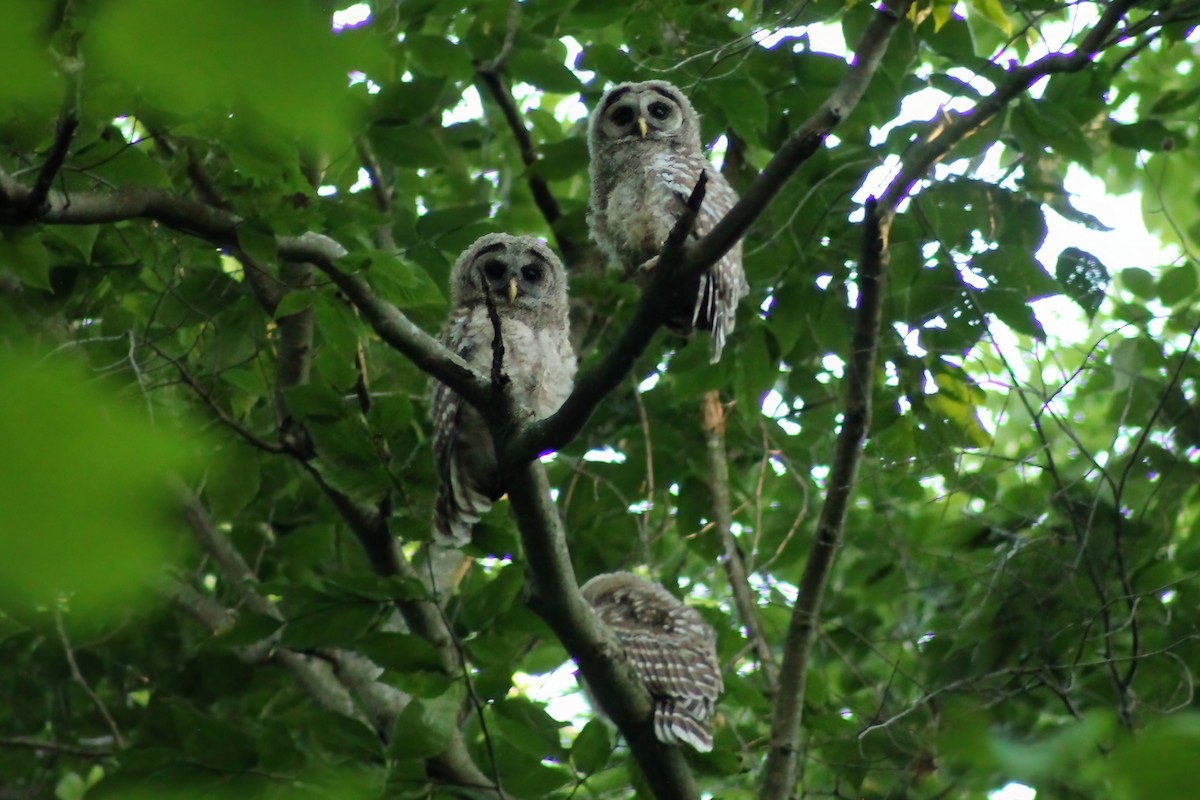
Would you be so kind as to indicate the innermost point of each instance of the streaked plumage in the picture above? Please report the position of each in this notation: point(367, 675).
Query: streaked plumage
point(529, 288)
point(644, 140)
point(672, 649)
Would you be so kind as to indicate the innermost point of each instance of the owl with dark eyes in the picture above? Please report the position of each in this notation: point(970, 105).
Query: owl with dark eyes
point(528, 289)
point(644, 141)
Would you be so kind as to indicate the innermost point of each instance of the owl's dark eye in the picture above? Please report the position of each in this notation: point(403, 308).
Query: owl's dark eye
point(495, 270)
point(623, 115)
point(659, 110)
point(531, 273)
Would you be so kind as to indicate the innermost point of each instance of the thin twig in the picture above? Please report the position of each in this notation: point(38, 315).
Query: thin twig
point(498, 377)
point(78, 750)
point(69, 652)
point(247, 435)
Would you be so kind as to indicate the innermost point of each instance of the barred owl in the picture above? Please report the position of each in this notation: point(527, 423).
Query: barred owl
point(644, 141)
point(672, 649)
point(528, 287)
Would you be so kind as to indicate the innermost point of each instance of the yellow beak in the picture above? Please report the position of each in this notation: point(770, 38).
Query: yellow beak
point(642, 129)
point(512, 290)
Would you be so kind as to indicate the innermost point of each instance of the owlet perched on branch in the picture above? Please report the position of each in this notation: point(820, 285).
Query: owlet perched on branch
point(528, 289)
point(644, 140)
point(672, 649)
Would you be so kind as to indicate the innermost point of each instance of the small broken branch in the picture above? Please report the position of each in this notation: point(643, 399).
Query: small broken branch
point(734, 562)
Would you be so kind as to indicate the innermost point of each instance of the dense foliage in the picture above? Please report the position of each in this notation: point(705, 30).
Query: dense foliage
point(1014, 594)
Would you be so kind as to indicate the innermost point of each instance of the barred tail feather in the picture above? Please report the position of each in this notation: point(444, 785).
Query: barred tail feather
point(673, 725)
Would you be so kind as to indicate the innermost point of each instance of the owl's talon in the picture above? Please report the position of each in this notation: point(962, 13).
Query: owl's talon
point(648, 265)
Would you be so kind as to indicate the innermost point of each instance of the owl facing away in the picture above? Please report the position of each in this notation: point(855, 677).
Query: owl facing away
point(644, 141)
point(671, 648)
point(528, 286)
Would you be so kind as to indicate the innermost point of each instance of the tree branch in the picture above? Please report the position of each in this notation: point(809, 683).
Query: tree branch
point(805, 141)
point(734, 563)
point(948, 129)
point(78, 750)
point(77, 675)
point(427, 353)
point(490, 78)
point(779, 781)
point(313, 675)
point(142, 202)
point(327, 688)
point(557, 430)
point(554, 596)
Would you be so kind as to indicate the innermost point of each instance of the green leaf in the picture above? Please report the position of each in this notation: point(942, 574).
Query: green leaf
point(1175, 100)
point(258, 242)
point(1138, 281)
point(425, 727)
point(1150, 765)
point(1177, 284)
point(24, 255)
point(1084, 278)
point(85, 504)
point(235, 481)
point(410, 145)
point(401, 652)
point(212, 742)
point(33, 82)
point(278, 64)
point(1148, 134)
point(295, 302)
point(250, 628)
point(328, 624)
point(993, 12)
point(435, 55)
point(591, 749)
point(539, 68)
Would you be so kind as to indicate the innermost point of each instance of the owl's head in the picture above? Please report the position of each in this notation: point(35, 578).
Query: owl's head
point(650, 110)
point(520, 272)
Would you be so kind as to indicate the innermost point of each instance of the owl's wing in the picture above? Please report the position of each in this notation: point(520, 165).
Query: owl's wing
point(724, 285)
point(462, 450)
point(676, 659)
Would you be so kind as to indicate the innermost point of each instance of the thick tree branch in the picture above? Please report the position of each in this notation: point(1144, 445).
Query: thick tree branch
point(142, 202)
point(779, 782)
point(423, 350)
point(593, 386)
point(554, 596)
point(734, 563)
point(948, 129)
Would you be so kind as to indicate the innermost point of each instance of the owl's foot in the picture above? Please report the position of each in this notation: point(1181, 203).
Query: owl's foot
point(648, 266)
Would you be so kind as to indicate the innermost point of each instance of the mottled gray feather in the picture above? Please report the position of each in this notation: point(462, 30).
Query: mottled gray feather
point(538, 361)
point(639, 187)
